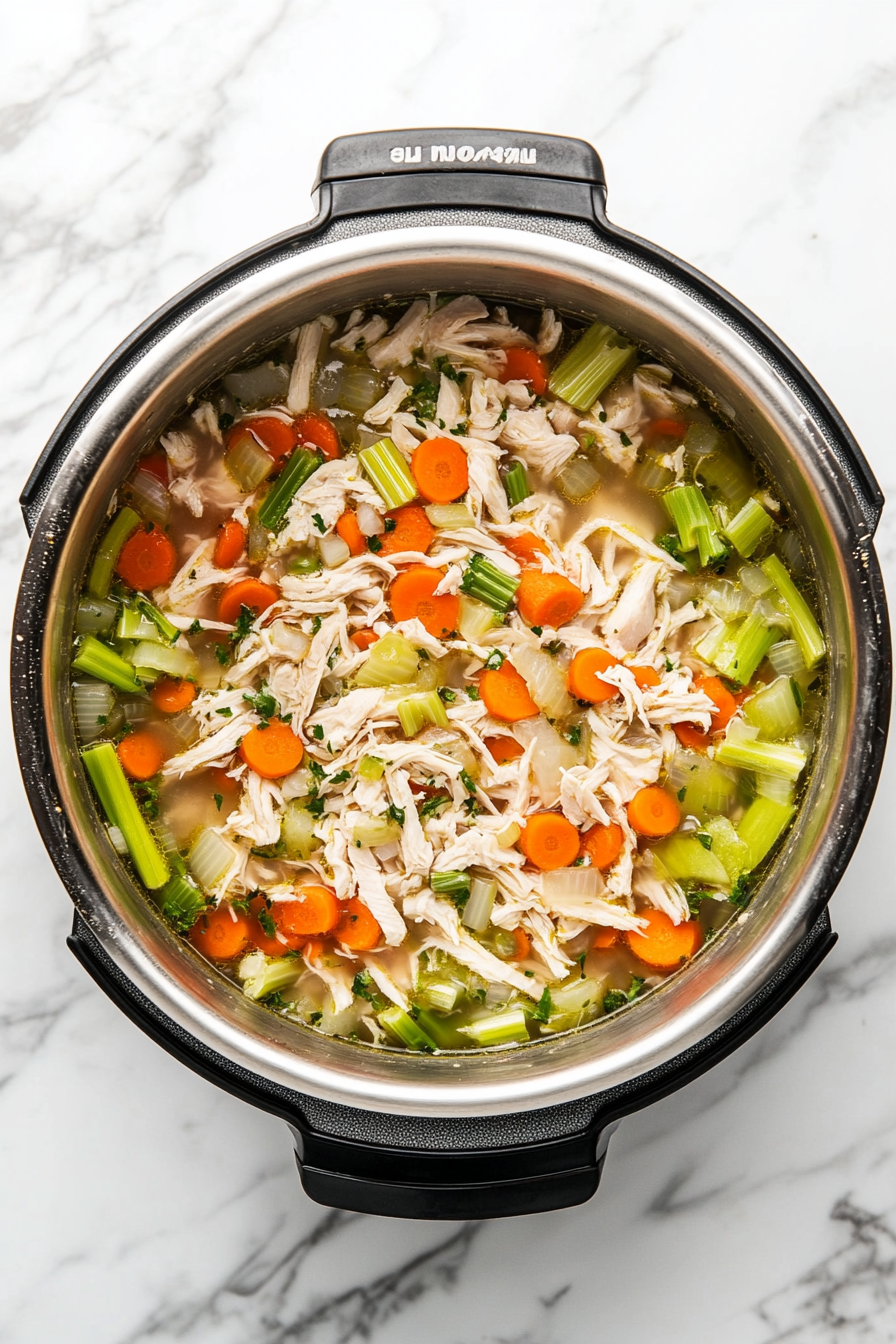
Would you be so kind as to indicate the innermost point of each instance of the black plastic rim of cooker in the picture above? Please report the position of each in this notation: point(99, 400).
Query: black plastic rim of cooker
point(372, 1162)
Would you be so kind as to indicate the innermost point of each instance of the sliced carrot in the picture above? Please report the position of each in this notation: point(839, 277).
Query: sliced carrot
point(653, 812)
point(347, 528)
point(602, 844)
point(140, 755)
point(170, 695)
point(272, 752)
point(315, 910)
point(148, 559)
point(440, 470)
point(222, 782)
point(229, 544)
point(357, 929)
point(503, 748)
point(604, 939)
point(691, 737)
point(662, 944)
point(525, 366)
point(645, 677)
point(156, 463)
point(523, 945)
point(314, 949)
point(364, 639)
point(547, 599)
point(277, 436)
point(412, 531)
point(527, 547)
point(505, 694)
point(583, 677)
point(413, 594)
point(250, 593)
point(724, 701)
point(318, 430)
point(274, 944)
point(221, 934)
point(549, 841)
point(668, 429)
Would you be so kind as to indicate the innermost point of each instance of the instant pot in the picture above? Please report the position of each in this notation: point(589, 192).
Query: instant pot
point(514, 1130)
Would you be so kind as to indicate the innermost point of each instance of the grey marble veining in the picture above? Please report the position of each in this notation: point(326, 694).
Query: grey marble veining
point(139, 146)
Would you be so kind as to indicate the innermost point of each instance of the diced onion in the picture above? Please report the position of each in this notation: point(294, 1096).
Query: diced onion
point(119, 844)
point(370, 524)
point(333, 551)
point(210, 858)
point(726, 599)
point(253, 387)
point(369, 832)
point(289, 639)
point(786, 658)
point(297, 831)
point(328, 385)
point(361, 388)
point(247, 461)
point(755, 580)
point(476, 619)
point(578, 479)
point(545, 680)
point(572, 883)
point(257, 544)
point(452, 516)
point(185, 729)
point(552, 755)
point(95, 615)
point(478, 909)
point(150, 497)
point(93, 701)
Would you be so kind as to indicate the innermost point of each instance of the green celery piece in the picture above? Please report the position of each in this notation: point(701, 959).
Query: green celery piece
point(371, 767)
point(181, 903)
point(388, 472)
point(752, 641)
point(120, 807)
point(416, 710)
point(516, 484)
point(768, 758)
point(400, 1024)
point(748, 527)
point(98, 660)
point(276, 504)
point(761, 825)
point(595, 360)
point(805, 627)
point(499, 1029)
point(685, 859)
point(694, 522)
point(275, 975)
point(450, 881)
point(728, 846)
point(125, 522)
point(169, 632)
point(483, 580)
point(441, 1030)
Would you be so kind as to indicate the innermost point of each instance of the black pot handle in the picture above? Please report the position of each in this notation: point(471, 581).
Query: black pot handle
point(460, 167)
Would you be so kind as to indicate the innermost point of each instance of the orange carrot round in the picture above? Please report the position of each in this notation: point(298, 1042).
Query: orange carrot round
point(357, 929)
point(413, 594)
point(272, 752)
point(724, 701)
point(604, 939)
point(278, 436)
point(315, 910)
point(503, 749)
point(523, 945)
point(527, 547)
point(549, 841)
point(229, 544)
point(668, 429)
point(653, 812)
point(412, 531)
point(547, 599)
point(583, 677)
point(148, 559)
point(691, 737)
point(347, 528)
point(364, 639)
point(274, 944)
point(602, 844)
point(157, 464)
point(440, 470)
point(251, 593)
point(506, 695)
point(645, 677)
point(221, 781)
point(525, 366)
point(318, 431)
point(662, 944)
point(140, 755)
point(221, 934)
point(170, 695)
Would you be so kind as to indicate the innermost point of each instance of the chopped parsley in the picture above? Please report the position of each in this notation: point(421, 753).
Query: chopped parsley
point(740, 892)
point(395, 814)
point(681, 793)
point(602, 417)
point(443, 365)
point(494, 661)
point(243, 623)
point(446, 694)
point(537, 630)
point(544, 1007)
point(226, 712)
point(390, 524)
point(625, 440)
point(225, 420)
point(554, 646)
point(219, 798)
point(472, 692)
point(318, 522)
point(705, 839)
point(374, 544)
point(331, 661)
point(468, 783)
point(222, 653)
point(574, 734)
point(195, 629)
point(264, 704)
point(317, 732)
point(315, 625)
point(433, 806)
point(341, 777)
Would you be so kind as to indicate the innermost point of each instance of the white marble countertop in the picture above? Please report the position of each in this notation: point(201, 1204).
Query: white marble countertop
point(143, 144)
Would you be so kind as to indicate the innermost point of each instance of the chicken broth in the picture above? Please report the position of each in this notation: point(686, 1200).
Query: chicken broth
point(448, 676)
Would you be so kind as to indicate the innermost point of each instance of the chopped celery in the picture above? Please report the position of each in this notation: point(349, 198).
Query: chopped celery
point(595, 360)
point(181, 903)
point(516, 484)
point(475, 619)
point(578, 479)
point(440, 994)
point(402, 1026)
point(805, 627)
point(748, 527)
point(761, 825)
point(577, 995)
point(95, 709)
point(450, 883)
point(389, 473)
point(300, 466)
point(695, 524)
point(499, 1028)
point(493, 586)
point(125, 522)
point(277, 974)
point(478, 909)
point(772, 786)
point(729, 474)
point(700, 440)
point(247, 461)
point(163, 658)
point(393, 661)
point(751, 642)
point(439, 1029)
point(709, 789)
point(453, 516)
point(728, 847)
point(120, 807)
point(371, 767)
point(685, 859)
point(304, 564)
point(769, 758)
point(416, 710)
point(774, 710)
point(297, 831)
point(95, 615)
point(169, 632)
point(369, 832)
point(98, 660)
point(132, 624)
point(210, 858)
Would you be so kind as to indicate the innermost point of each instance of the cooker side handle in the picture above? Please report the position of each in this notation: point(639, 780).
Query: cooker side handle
point(448, 167)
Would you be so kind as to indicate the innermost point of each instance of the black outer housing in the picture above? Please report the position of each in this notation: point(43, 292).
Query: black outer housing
point(396, 1165)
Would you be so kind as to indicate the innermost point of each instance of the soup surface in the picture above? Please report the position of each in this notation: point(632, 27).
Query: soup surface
point(447, 675)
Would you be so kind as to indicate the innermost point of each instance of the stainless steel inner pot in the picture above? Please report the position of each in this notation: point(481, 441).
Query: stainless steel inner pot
point(519, 264)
